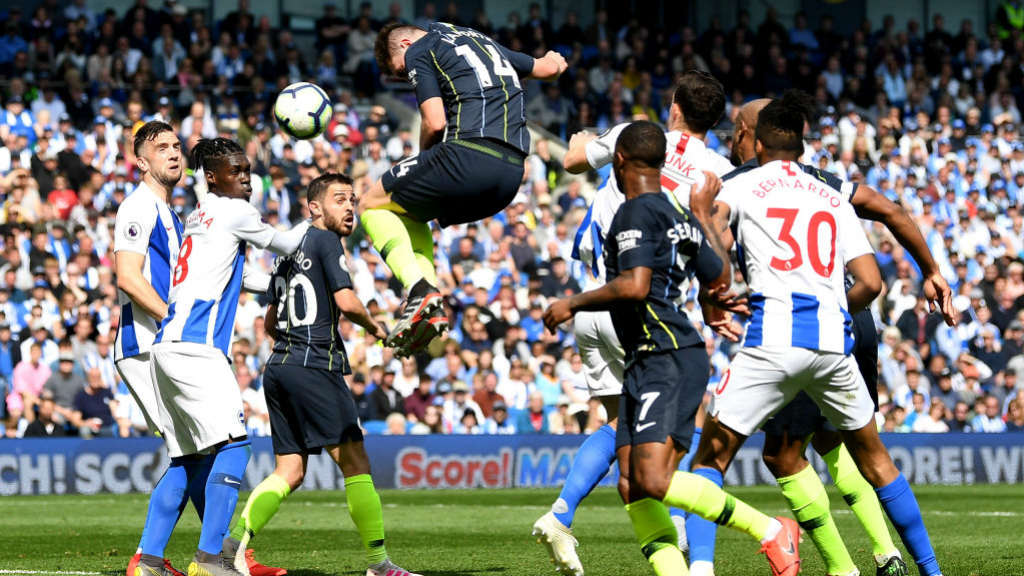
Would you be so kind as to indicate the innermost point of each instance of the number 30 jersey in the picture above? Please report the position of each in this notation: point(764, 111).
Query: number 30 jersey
point(211, 270)
point(304, 285)
point(794, 235)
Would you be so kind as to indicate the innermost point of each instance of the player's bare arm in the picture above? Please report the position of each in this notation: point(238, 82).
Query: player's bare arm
point(354, 310)
point(871, 205)
point(270, 321)
point(432, 123)
point(575, 159)
point(128, 268)
point(631, 285)
point(548, 68)
point(867, 282)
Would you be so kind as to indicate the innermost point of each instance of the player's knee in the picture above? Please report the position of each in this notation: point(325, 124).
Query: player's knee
point(624, 488)
point(294, 477)
point(782, 464)
point(653, 482)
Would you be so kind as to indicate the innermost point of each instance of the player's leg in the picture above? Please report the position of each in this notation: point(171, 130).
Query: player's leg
point(861, 498)
point(846, 403)
point(697, 535)
point(655, 532)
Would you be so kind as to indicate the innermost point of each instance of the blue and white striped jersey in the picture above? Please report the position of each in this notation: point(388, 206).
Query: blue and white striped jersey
point(211, 270)
point(794, 235)
point(147, 226)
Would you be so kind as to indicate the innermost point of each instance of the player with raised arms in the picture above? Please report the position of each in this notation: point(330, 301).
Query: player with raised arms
point(798, 288)
point(473, 143)
point(311, 407)
point(697, 105)
point(654, 246)
point(147, 236)
point(201, 406)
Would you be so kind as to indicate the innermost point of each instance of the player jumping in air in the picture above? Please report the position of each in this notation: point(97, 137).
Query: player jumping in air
point(201, 407)
point(796, 233)
point(147, 236)
point(697, 104)
point(473, 141)
point(654, 246)
point(310, 405)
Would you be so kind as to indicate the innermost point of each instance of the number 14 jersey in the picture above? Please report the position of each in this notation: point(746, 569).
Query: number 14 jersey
point(794, 235)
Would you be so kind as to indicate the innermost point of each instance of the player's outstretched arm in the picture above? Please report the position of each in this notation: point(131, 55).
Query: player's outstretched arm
point(575, 159)
point(255, 281)
point(867, 282)
point(633, 284)
point(869, 204)
point(549, 68)
point(354, 310)
point(128, 267)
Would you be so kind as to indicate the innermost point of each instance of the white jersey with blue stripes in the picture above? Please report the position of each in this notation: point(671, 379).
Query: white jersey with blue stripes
point(686, 158)
point(794, 235)
point(211, 270)
point(145, 225)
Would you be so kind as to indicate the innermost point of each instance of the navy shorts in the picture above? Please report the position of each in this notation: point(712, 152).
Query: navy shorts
point(309, 408)
point(457, 181)
point(802, 417)
point(660, 397)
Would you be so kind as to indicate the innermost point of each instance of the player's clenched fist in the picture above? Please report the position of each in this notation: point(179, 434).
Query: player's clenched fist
point(702, 200)
point(557, 313)
point(581, 138)
point(557, 59)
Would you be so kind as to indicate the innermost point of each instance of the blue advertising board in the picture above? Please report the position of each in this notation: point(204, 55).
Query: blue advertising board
point(74, 466)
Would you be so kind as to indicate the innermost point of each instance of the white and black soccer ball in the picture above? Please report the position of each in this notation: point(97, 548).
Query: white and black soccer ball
point(303, 110)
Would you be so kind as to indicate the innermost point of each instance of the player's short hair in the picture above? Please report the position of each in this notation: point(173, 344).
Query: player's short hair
point(147, 133)
point(318, 188)
point(780, 125)
point(209, 153)
point(387, 39)
point(701, 98)
point(642, 142)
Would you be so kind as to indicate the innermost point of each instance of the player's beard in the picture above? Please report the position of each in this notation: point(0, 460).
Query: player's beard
point(734, 156)
point(168, 178)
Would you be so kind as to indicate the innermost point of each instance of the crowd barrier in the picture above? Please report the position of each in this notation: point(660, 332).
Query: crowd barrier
point(74, 466)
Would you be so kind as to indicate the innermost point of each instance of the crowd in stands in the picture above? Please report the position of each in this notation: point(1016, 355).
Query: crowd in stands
point(928, 117)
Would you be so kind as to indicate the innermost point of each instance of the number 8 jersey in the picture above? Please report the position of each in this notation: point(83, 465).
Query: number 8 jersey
point(794, 235)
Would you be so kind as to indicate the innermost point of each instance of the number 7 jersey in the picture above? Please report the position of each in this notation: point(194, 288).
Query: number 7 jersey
point(794, 235)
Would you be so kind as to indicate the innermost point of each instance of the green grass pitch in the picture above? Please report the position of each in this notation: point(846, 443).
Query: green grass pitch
point(976, 531)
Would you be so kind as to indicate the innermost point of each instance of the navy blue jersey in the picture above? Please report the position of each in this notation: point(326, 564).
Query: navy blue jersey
point(654, 231)
point(304, 284)
point(847, 189)
point(478, 80)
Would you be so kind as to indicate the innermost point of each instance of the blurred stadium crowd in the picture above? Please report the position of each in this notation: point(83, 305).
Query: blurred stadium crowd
point(929, 117)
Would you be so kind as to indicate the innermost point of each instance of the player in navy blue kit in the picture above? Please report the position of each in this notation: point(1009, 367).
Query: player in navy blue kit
point(654, 246)
point(470, 96)
point(310, 405)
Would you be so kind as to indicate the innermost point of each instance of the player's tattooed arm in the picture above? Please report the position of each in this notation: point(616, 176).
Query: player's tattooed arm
point(633, 284)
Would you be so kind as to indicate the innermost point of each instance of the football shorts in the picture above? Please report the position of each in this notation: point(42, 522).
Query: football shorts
point(603, 359)
point(309, 408)
point(137, 376)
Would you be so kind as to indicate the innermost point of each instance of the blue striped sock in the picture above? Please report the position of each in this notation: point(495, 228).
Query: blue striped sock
point(592, 462)
point(222, 494)
point(901, 506)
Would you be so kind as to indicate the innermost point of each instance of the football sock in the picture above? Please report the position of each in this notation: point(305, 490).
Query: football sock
point(392, 240)
point(701, 533)
point(222, 494)
point(861, 498)
point(591, 465)
point(657, 536)
point(263, 503)
point(422, 247)
point(809, 502)
point(198, 473)
point(695, 493)
point(168, 500)
point(365, 510)
point(901, 506)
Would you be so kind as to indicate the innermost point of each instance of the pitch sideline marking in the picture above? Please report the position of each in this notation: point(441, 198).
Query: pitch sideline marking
point(52, 572)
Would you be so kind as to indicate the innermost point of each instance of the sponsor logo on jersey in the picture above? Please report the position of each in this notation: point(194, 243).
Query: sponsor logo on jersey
point(412, 78)
point(628, 239)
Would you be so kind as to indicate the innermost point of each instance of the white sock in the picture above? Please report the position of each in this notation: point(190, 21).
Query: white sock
point(773, 530)
point(702, 568)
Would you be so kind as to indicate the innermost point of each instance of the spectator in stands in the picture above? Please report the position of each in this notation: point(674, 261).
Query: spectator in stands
point(533, 420)
point(454, 408)
point(386, 400)
point(94, 408)
point(364, 403)
point(487, 396)
point(44, 425)
point(63, 386)
point(396, 424)
point(10, 353)
point(989, 419)
point(1015, 415)
point(420, 399)
point(498, 422)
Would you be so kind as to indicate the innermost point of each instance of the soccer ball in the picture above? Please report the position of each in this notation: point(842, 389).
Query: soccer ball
point(303, 110)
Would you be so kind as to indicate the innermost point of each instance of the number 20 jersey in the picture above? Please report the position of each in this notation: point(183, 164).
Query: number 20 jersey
point(794, 235)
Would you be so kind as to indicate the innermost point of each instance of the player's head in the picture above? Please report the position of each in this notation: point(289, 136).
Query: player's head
point(699, 102)
point(159, 153)
point(332, 202)
point(743, 133)
point(780, 127)
point(639, 151)
point(225, 165)
point(392, 42)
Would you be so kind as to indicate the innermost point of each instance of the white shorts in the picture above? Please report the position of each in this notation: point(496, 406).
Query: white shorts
point(602, 355)
point(761, 380)
point(201, 406)
point(136, 373)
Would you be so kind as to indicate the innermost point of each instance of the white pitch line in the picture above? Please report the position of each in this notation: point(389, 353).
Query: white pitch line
point(51, 572)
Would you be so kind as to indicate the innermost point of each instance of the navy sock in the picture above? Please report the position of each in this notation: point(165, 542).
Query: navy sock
point(901, 506)
point(592, 462)
point(198, 473)
point(222, 494)
point(700, 533)
point(169, 497)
